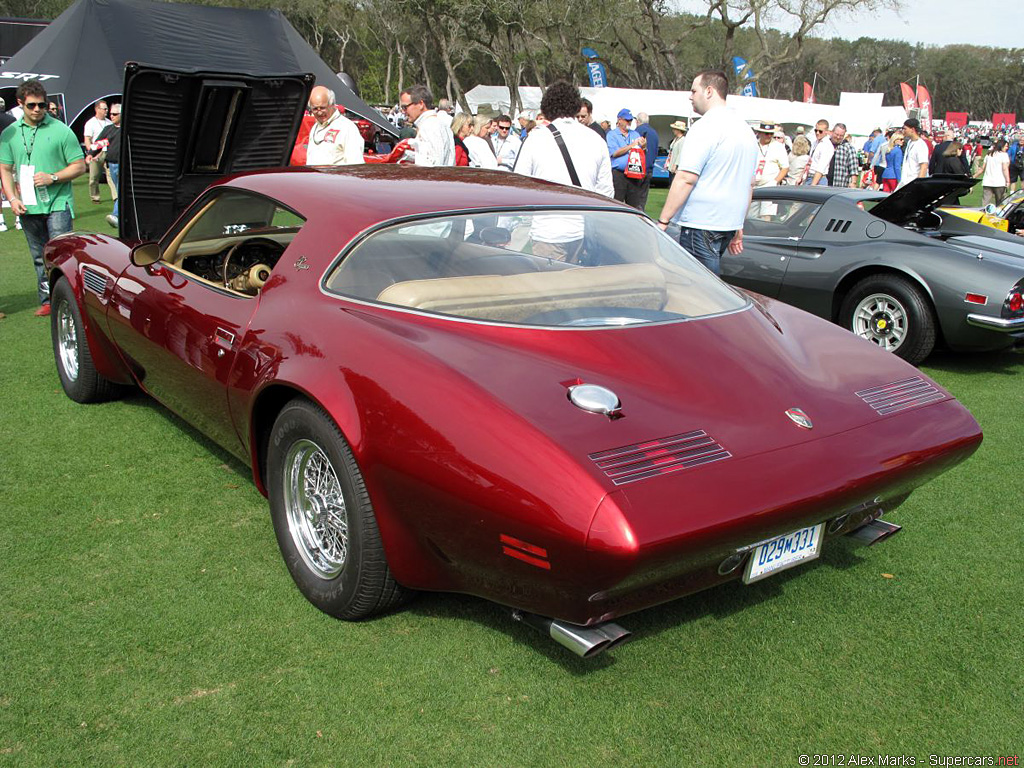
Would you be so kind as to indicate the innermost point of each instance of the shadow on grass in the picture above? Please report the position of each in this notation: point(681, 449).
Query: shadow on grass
point(19, 302)
point(136, 398)
point(718, 602)
point(1008, 362)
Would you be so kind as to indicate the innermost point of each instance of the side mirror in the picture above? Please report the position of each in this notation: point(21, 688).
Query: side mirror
point(990, 209)
point(145, 254)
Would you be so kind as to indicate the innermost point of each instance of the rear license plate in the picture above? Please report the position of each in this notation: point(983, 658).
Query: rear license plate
point(784, 552)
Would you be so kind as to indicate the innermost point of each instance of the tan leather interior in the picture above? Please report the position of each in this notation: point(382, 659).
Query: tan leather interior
point(514, 298)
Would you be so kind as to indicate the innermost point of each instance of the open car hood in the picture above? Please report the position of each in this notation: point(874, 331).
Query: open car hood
point(183, 130)
point(920, 197)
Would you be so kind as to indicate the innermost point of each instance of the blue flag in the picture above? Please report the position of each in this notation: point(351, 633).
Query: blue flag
point(595, 69)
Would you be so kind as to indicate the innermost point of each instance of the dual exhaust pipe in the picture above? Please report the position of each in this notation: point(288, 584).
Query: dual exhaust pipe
point(585, 642)
point(873, 532)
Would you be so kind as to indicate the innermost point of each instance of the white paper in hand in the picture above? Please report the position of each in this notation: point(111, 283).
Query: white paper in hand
point(26, 180)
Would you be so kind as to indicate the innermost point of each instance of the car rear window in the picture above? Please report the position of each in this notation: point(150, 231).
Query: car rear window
point(545, 268)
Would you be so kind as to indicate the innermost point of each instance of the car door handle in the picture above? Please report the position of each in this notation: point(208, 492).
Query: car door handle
point(224, 340)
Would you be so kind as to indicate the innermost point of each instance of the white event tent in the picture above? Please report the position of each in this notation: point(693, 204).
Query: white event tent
point(861, 112)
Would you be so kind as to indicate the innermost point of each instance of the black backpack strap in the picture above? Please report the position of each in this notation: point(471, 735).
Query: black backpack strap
point(573, 176)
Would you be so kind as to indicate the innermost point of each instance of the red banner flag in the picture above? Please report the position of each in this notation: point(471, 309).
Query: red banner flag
point(924, 103)
point(958, 119)
point(1004, 118)
point(909, 100)
point(808, 93)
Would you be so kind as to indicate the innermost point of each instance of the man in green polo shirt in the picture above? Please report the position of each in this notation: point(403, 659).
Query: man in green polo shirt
point(39, 156)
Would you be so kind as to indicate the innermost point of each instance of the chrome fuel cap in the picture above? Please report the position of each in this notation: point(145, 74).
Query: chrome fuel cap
point(594, 398)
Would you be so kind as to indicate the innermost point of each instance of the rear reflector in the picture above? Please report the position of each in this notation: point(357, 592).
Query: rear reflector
point(976, 298)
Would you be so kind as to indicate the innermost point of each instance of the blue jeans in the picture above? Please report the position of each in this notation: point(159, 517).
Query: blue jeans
point(114, 169)
point(706, 245)
point(39, 229)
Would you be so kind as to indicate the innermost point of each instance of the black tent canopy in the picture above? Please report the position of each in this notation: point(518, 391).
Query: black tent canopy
point(83, 52)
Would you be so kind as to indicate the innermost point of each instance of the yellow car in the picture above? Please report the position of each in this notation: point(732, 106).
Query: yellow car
point(1008, 216)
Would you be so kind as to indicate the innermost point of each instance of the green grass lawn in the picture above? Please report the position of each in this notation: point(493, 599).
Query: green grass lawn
point(148, 619)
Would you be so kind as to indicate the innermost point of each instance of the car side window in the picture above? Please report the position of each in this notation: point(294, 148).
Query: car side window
point(234, 240)
point(786, 219)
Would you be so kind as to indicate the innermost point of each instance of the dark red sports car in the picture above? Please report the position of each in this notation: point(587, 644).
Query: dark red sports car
point(470, 381)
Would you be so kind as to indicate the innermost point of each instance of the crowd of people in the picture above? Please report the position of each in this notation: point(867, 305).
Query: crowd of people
point(714, 164)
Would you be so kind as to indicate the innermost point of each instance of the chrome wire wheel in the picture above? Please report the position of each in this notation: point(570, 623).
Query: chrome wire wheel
point(881, 319)
point(67, 341)
point(315, 508)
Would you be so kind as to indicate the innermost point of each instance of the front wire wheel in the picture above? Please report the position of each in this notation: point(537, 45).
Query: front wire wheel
point(78, 375)
point(323, 519)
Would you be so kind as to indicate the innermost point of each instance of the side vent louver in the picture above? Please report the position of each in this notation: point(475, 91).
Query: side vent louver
point(900, 395)
point(94, 281)
point(659, 457)
point(838, 225)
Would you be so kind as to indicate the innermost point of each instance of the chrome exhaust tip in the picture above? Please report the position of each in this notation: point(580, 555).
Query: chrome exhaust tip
point(585, 642)
point(874, 532)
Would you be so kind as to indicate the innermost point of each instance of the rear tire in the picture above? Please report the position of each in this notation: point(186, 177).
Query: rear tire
point(78, 376)
point(323, 518)
point(893, 313)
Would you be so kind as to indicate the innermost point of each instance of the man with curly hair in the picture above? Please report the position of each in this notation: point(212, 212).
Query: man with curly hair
point(584, 163)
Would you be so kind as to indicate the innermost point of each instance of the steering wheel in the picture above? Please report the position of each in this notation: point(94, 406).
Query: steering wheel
point(265, 244)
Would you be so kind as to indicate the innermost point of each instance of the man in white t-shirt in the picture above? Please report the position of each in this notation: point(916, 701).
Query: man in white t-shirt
point(820, 158)
point(710, 193)
point(93, 126)
point(333, 139)
point(434, 143)
point(915, 153)
point(561, 236)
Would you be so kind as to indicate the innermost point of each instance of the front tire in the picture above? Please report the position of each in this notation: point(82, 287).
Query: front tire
point(323, 518)
point(78, 376)
point(893, 313)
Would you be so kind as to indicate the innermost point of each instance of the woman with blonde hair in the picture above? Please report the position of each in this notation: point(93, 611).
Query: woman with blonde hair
point(797, 160)
point(462, 123)
point(481, 151)
point(893, 162)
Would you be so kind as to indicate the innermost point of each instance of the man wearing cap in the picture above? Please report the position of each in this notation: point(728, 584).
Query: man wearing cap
point(675, 149)
point(710, 193)
point(915, 153)
point(620, 141)
point(772, 159)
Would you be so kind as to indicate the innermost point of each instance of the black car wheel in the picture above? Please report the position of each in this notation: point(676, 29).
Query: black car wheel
point(323, 519)
point(893, 313)
point(78, 376)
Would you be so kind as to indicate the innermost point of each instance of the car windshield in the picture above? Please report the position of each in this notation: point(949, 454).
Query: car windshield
point(547, 268)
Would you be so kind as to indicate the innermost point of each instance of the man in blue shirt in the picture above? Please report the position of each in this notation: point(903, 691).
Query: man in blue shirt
point(620, 140)
point(649, 135)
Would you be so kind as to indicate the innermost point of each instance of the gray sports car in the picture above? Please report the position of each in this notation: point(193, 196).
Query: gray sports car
point(891, 268)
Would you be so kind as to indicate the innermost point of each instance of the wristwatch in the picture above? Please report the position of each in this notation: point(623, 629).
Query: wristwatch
point(53, 178)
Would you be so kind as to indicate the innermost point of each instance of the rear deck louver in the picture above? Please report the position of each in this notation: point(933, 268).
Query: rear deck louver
point(94, 281)
point(900, 395)
point(659, 457)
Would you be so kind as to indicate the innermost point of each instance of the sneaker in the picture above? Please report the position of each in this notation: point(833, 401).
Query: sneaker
point(111, 219)
point(3, 227)
point(43, 311)
point(96, 200)
point(17, 223)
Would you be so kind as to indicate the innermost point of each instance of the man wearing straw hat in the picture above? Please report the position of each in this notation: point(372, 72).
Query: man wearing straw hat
point(772, 160)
